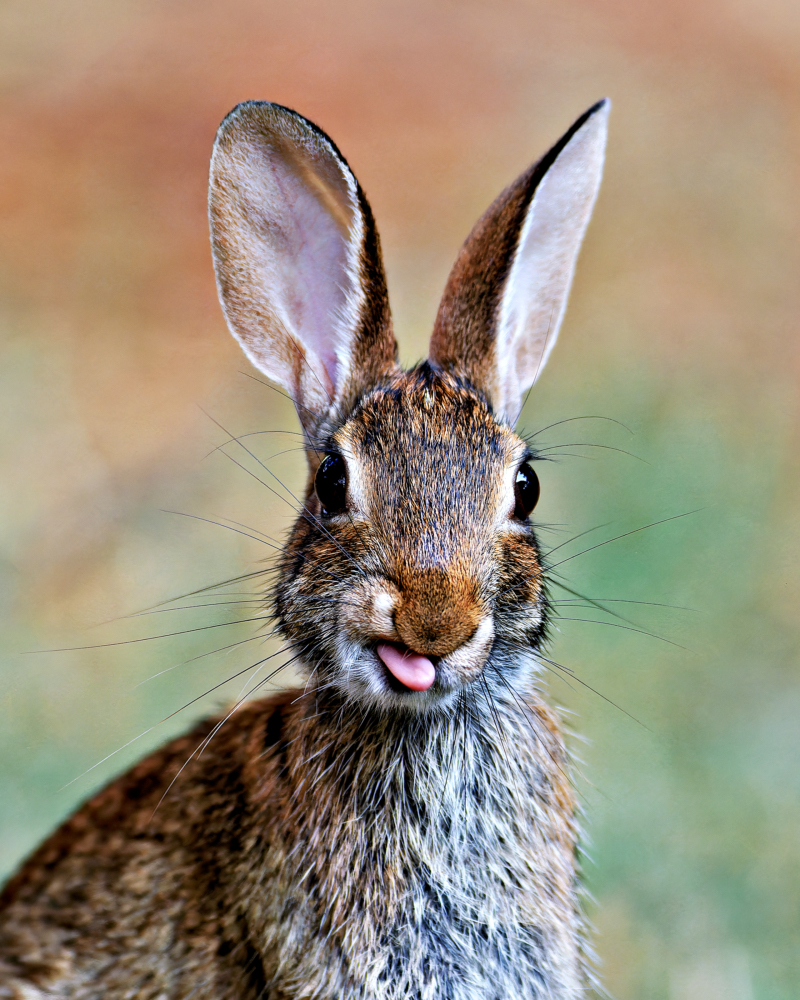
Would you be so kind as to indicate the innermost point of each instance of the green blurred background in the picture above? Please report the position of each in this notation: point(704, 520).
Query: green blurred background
point(683, 326)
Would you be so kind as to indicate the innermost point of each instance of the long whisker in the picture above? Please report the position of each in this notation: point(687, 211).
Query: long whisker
point(263, 534)
point(574, 676)
point(283, 486)
point(252, 434)
point(193, 593)
point(574, 538)
point(220, 524)
point(629, 628)
point(199, 749)
point(275, 543)
point(194, 607)
point(570, 420)
point(589, 444)
point(275, 492)
point(227, 680)
point(110, 755)
point(305, 512)
point(269, 385)
point(148, 638)
point(209, 652)
point(625, 534)
point(144, 733)
point(622, 600)
point(553, 579)
point(595, 603)
point(553, 455)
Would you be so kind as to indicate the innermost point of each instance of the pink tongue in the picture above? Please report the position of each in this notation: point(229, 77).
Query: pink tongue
point(415, 671)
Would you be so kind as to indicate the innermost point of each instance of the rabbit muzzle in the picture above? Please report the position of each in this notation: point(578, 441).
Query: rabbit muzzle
point(416, 645)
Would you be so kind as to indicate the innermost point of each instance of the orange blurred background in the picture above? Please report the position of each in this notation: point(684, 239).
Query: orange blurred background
point(683, 325)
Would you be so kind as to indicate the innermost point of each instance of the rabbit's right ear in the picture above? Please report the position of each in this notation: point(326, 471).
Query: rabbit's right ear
point(297, 260)
point(508, 289)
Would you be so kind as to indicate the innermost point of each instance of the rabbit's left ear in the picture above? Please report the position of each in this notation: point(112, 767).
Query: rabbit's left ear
point(506, 295)
point(297, 260)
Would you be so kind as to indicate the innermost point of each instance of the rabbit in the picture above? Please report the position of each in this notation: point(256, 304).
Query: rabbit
point(403, 826)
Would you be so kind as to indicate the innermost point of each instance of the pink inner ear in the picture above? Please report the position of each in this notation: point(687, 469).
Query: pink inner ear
point(535, 295)
point(311, 270)
point(287, 230)
point(314, 283)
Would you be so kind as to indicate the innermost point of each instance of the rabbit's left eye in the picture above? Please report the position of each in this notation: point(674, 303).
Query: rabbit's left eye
point(526, 491)
point(330, 484)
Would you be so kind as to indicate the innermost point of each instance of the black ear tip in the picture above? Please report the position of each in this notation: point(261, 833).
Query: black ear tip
point(604, 104)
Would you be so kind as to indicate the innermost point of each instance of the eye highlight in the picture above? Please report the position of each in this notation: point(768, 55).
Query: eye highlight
point(330, 484)
point(526, 491)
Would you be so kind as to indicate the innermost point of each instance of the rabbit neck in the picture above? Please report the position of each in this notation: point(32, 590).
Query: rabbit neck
point(418, 834)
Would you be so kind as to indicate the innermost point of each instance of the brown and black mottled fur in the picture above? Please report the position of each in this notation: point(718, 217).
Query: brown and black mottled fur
point(214, 899)
point(353, 839)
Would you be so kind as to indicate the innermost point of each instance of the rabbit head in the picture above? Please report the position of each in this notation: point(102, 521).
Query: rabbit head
point(413, 567)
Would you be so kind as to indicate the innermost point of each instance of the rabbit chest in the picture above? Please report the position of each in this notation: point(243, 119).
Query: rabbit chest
point(415, 859)
point(421, 858)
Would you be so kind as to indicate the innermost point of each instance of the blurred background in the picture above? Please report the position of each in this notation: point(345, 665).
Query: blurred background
point(119, 382)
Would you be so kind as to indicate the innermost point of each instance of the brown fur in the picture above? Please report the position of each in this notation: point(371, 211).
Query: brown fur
point(191, 895)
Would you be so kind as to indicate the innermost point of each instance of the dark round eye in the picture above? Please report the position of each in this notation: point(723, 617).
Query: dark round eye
point(330, 484)
point(526, 491)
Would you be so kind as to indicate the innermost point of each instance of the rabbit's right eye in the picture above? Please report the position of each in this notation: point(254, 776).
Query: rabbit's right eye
point(330, 484)
point(526, 491)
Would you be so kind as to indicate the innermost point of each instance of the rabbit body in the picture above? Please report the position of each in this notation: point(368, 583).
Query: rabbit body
point(388, 831)
point(400, 887)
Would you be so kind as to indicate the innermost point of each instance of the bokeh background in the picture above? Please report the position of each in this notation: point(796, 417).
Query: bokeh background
point(119, 381)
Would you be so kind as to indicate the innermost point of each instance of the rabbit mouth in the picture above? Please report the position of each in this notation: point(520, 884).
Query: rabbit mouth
point(394, 671)
point(406, 670)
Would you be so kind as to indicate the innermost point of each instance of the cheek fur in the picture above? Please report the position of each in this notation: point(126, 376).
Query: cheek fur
point(520, 580)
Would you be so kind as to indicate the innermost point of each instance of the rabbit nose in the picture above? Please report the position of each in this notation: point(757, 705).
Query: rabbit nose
point(437, 613)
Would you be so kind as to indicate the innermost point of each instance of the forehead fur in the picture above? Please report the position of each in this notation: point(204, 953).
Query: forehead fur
point(435, 460)
point(431, 412)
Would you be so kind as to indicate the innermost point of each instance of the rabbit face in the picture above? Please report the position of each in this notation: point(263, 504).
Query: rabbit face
point(427, 554)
